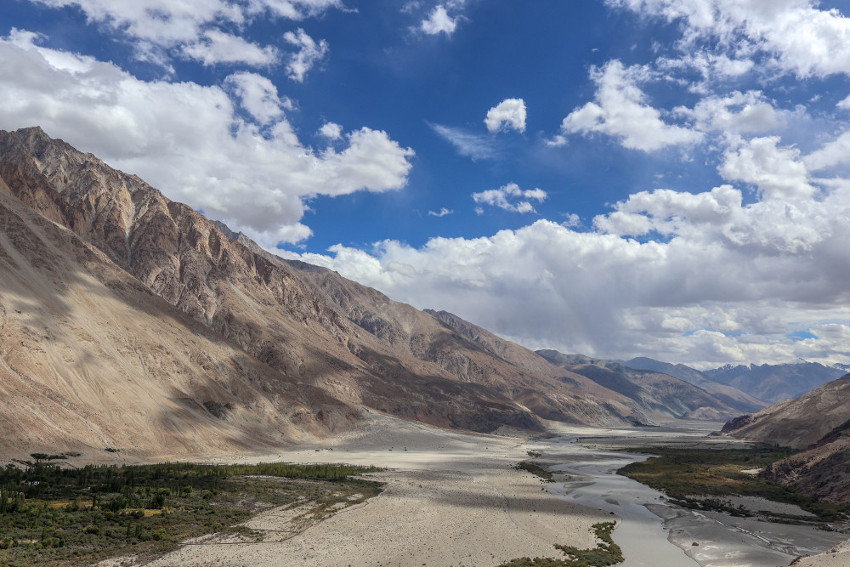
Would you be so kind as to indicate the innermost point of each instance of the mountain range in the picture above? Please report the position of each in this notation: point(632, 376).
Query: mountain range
point(769, 383)
point(776, 382)
point(132, 323)
point(662, 395)
point(818, 425)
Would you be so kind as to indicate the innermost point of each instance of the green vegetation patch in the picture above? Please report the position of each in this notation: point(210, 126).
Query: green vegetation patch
point(535, 469)
point(604, 554)
point(702, 478)
point(53, 516)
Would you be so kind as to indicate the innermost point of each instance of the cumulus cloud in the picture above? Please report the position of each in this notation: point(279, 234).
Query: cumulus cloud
point(258, 96)
point(292, 9)
point(331, 131)
point(835, 152)
point(620, 109)
point(308, 55)
point(161, 22)
point(509, 114)
point(800, 37)
point(441, 213)
point(194, 29)
point(721, 285)
point(167, 23)
point(777, 172)
point(218, 47)
point(737, 112)
point(510, 198)
point(190, 141)
point(439, 21)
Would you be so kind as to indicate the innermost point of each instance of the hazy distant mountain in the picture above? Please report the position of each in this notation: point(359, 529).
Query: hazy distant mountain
point(130, 320)
point(661, 395)
point(775, 382)
point(732, 396)
point(817, 422)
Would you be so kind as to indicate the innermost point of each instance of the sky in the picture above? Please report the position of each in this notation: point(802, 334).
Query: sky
point(617, 178)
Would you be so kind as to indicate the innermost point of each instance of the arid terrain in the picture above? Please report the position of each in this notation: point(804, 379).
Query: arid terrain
point(134, 330)
point(131, 322)
point(818, 425)
point(450, 499)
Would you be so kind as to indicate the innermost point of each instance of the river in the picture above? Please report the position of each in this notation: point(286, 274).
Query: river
point(641, 535)
point(711, 539)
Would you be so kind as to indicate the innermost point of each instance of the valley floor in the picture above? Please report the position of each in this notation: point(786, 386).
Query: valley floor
point(450, 499)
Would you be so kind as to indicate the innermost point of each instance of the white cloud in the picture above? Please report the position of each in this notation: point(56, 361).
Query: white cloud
point(258, 96)
point(441, 213)
point(439, 21)
point(556, 141)
point(292, 9)
point(740, 113)
point(218, 47)
point(466, 144)
point(671, 212)
point(510, 198)
point(309, 54)
point(331, 131)
point(844, 104)
point(778, 172)
point(835, 152)
point(802, 38)
point(712, 66)
point(188, 139)
point(722, 284)
point(194, 28)
point(573, 220)
point(509, 114)
point(161, 22)
point(620, 110)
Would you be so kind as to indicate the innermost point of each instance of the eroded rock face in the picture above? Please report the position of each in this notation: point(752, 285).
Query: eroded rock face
point(299, 327)
point(817, 423)
point(90, 358)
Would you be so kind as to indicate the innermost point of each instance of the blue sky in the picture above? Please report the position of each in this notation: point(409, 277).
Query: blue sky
point(612, 177)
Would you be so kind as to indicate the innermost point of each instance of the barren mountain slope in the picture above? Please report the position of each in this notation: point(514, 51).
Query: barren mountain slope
point(730, 395)
point(822, 471)
point(546, 390)
point(252, 302)
point(776, 382)
point(660, 395)
point(312, 326)
point(90, 359)
point(818, 422)
point(800, 422)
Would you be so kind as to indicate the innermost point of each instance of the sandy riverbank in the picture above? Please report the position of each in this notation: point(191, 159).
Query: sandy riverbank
point(455, 499)
point(452, 499)
point(713, 539)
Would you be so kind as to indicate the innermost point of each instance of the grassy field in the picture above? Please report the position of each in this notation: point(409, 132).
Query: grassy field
point(704, 478)
point(58, 516)
point(605, 553)
point(535, 469)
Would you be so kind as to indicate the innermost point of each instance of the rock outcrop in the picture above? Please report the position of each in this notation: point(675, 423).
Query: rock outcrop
point(817, 424)
point(131, 320)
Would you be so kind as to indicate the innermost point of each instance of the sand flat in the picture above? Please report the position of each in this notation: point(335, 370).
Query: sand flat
point(451, 499)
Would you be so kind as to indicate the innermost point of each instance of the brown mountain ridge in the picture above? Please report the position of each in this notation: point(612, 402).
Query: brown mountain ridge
point(817, 424)
point(131, 321)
